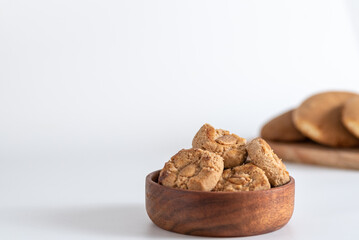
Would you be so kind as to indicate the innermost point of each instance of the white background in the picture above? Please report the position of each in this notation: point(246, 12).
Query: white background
point(94, 95)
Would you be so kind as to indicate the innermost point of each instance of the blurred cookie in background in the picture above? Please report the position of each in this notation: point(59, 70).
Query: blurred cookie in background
point(319, 118)
point(282, 128)
point(350, 115)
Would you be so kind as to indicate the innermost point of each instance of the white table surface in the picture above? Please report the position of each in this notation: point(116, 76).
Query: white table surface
point(85, 196)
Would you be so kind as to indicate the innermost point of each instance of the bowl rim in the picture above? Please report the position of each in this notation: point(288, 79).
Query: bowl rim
point(150, 176)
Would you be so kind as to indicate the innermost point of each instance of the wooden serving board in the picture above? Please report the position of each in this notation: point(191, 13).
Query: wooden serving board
point(312, 153)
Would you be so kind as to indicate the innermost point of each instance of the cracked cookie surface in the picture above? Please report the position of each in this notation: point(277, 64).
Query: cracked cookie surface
point(229, 146)
point(262, 155)
point(192, 169)
point(247, 177)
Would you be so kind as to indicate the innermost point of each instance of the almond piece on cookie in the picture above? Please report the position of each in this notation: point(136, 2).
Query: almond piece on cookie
point(192, 169)
point(262, 155)
point(247, 177)
point(229, 146)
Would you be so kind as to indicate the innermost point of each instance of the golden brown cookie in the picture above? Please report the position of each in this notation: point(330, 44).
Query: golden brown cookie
point(319, 118)
point(350, 115)
point(262, 155)
point(247, 177)
point(229, 146)
point(281, 128)
point(193, 169)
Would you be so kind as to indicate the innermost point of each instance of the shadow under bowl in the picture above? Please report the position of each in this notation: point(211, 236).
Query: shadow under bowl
point(219, 214)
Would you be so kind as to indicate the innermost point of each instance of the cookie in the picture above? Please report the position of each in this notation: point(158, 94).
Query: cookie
point(281, 128)
point(319, 118)
point(262, 155)
point(192, 169)
point(350, 115)
point(247, 177)
point(222, 142)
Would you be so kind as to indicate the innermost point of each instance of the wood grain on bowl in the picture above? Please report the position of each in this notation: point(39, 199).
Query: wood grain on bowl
point(218, 214)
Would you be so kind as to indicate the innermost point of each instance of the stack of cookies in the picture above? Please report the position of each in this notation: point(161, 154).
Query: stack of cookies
point(221, 161)
point(328, 118)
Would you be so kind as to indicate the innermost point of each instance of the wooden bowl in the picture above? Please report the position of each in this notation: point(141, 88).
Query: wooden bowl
point(218, 214)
